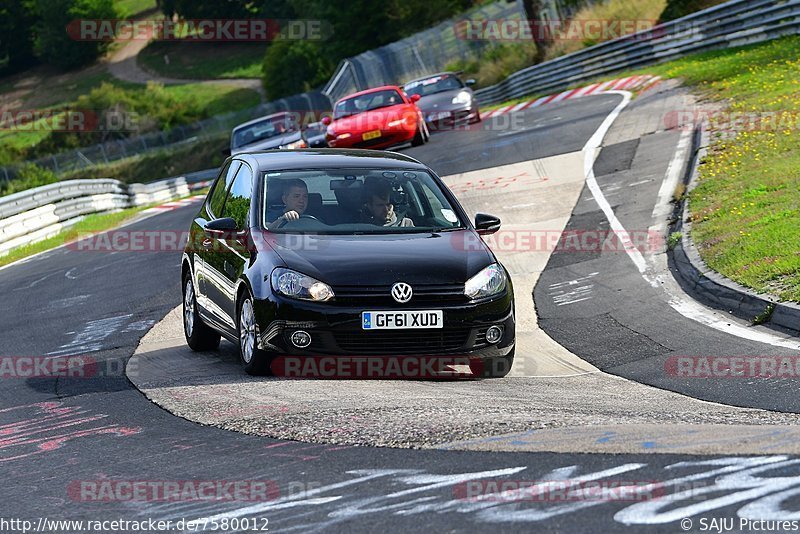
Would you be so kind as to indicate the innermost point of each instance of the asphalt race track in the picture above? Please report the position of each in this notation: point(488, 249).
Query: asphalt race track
point(57, 435)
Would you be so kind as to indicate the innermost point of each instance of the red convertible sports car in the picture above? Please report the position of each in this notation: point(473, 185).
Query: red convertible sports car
point(376, 118)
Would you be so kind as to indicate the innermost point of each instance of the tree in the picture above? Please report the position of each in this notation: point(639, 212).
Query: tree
point(540, 28)
point(63, 49)
point(292, 67)
point(17, 19)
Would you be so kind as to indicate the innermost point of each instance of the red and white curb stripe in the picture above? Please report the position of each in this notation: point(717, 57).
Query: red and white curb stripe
point(169, 206)
point(632, 83)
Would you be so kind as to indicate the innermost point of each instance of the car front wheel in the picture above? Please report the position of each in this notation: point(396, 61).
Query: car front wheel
point(255, 361)
point(422, 135)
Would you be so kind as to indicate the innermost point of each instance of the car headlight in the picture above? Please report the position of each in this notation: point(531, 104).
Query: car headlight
point(296, 285)
point(490, 281)
point(462, 98)
point(297, 144)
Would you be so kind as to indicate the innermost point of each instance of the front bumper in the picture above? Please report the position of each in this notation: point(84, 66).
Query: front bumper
point(452, 118)
point(336, 330)
point(388, 138)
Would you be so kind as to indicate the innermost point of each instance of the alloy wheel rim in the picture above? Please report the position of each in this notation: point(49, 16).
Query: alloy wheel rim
point(247, 331)
point(188, 308)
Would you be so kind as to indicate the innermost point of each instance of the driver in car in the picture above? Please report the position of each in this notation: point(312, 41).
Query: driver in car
point(295, 201)
point(379, 209)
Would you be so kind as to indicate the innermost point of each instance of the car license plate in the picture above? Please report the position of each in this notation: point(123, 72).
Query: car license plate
point(438, 116)
point(371, 135)
point(401, 320)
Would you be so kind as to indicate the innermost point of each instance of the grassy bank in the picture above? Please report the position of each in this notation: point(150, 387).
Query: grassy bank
point(155, 107)
point(746, 207)
point(197, 60)
point(160, 164)
point(153, 166)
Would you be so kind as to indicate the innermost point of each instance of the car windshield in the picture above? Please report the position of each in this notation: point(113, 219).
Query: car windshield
point(435, 84)
point(264, 129)
point(357, 201)
point(367, 102)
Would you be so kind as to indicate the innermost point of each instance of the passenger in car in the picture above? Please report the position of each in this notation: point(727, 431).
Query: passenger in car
point(295, 201)
point(378, 208)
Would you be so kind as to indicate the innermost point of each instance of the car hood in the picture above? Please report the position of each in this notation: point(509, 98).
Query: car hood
point(371, 120)
point(440, 258)
point(439, 101)
point(266, 144)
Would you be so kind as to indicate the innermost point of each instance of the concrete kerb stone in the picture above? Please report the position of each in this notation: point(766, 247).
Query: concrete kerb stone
point(707, 285)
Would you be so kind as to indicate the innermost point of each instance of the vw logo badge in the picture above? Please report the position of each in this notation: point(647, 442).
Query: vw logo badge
point(401, 292)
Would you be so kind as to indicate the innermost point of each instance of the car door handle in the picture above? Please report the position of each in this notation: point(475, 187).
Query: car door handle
point(207, 242)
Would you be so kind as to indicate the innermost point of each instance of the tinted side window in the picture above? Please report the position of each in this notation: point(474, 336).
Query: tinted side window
point(217, 198)
point(238, 204)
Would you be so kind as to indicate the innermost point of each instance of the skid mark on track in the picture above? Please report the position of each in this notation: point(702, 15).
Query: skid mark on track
point(46, 426)
point(572, 291)
point(91, 338)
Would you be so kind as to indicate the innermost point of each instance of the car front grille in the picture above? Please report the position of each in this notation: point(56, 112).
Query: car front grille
point(399, 342)
point(431, 295)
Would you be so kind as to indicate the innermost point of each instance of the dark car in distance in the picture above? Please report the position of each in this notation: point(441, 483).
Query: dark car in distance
point(279, 130)
point(376, 258)
point(445, 100)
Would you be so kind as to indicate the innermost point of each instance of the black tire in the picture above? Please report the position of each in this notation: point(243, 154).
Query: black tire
point(199, 336)
point(259, 360)
point(493, 367)
point(419, 138)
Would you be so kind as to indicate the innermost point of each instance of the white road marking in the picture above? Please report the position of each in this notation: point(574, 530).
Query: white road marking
point(590, 154)
point(639, 183)
point(663, 207)
point(679, 301)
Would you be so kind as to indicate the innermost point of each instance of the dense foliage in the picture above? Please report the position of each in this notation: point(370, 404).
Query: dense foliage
point(36, 30)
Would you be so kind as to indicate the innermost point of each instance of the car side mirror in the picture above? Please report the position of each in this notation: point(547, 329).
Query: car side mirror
point(326, 121)
point(471, 81)
point(222, 225)
point(415, 98)
point(486, 224)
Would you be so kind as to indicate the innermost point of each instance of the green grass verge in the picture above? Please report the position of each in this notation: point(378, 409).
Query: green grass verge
point(746, 206)
point(131, 8)
point(196, 60)
point(96, 222)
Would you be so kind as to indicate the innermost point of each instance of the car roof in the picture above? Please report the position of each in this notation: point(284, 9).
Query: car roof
point(323, 158)
point(446, 73)
point(259, 119)
point(371, 90)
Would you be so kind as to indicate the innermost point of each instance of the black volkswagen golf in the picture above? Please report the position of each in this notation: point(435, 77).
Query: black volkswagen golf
point(343, 253)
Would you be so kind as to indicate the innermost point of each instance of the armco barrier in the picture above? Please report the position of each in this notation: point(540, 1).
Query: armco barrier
point(36, 214)
point(734, 23)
